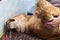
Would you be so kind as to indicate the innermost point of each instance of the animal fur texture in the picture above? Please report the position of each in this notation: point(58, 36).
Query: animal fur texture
point(36, 24)
point(48, 11)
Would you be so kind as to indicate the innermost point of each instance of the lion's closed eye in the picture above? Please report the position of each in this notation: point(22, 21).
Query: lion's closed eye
point(55, 16)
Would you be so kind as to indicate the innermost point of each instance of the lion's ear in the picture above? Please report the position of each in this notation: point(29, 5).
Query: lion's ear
point(38, 13)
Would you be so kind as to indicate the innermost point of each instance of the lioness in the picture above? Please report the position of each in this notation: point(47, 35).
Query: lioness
point(42, 23)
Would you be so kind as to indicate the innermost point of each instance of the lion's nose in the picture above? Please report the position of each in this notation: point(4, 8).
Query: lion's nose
point(8, 23)
point(50, 20)
point(11, 20)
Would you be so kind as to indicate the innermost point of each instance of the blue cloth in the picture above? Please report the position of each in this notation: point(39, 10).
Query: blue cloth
point(9, 8)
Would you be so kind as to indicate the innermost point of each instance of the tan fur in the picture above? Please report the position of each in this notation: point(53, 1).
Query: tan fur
point(49, 11)
point(35, 25)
